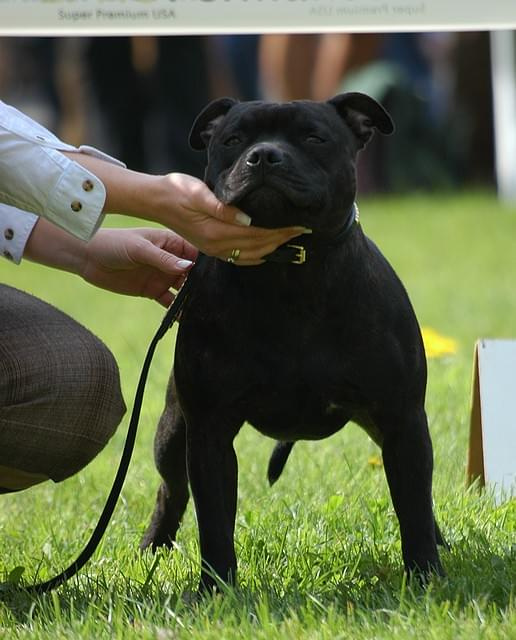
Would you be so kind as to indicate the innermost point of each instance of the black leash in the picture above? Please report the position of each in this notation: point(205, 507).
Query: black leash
point(170, 317)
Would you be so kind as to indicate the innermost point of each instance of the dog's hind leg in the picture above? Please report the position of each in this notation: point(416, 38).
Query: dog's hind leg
point(408, 461)
point(170, 457)
point(278, 460)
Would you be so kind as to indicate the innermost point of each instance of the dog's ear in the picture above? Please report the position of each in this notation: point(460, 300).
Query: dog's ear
point(207, 121)
point(362, 114)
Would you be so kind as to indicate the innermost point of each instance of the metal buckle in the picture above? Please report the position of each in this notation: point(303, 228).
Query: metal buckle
point(300, 255)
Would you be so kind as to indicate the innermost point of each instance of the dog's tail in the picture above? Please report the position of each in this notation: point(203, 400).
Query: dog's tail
point(278, 460)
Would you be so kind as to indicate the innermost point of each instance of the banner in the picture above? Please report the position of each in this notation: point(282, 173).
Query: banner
point(124, 17)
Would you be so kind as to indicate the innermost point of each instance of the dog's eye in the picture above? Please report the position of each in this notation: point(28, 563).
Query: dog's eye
point(314, 139)
point(232, 141)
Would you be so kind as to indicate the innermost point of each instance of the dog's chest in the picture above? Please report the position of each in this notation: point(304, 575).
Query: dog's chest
point(281, 358)
point(301, 385)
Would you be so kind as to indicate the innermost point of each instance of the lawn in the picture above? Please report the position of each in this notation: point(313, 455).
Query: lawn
point(319, 553)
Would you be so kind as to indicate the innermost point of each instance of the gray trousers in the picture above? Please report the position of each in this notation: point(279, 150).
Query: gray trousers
point(60, 398)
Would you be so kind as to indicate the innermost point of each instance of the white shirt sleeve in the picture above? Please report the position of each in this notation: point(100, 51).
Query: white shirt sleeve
point(35, 177)
point(15, 229)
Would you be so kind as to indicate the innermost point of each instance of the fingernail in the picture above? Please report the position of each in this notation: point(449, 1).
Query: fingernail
point(184, 264)
point(243, 219)
point(305, 230)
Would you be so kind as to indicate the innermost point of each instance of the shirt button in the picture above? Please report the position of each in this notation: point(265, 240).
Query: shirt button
point(87, 185)
point(8, 255)
point(76, 206)
point(8, 234)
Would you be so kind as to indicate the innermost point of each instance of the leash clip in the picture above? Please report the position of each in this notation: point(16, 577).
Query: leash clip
point(300, 257)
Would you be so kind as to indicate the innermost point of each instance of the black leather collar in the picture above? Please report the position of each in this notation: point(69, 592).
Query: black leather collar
point(298, 253)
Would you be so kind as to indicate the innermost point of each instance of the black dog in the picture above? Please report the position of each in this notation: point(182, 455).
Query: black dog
point(321, 334)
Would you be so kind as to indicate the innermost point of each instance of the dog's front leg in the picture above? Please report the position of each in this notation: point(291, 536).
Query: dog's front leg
point(213, 475)
point(408, 461)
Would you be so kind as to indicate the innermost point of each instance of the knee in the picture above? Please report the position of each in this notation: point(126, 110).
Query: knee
point(62, 406)
point(93, 408)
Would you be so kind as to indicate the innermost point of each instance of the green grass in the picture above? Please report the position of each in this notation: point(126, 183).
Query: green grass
point(319, 554)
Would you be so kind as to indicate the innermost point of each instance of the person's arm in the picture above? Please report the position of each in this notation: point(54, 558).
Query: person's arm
point(36, 177)
point(186, 205)
point(74, 187)
point(140, 262)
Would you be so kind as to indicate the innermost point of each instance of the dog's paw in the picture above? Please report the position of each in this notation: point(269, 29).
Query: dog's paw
point(422, 573)
point(153, 539)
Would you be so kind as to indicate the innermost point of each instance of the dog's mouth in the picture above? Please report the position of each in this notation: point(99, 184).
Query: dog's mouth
point(271, 199)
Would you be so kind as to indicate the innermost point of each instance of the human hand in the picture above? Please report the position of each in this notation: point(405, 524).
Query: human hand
point(141, 262)
point(187, 206)
point(193, 211)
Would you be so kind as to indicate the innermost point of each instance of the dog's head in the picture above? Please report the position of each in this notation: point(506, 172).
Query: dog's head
point(287, 163)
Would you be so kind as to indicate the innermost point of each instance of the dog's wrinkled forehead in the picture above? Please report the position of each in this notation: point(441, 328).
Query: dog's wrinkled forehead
point(259, 119)
point(354, 115)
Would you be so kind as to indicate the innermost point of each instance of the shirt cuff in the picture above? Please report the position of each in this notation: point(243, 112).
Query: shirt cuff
point(15, 228)
point(75, 203)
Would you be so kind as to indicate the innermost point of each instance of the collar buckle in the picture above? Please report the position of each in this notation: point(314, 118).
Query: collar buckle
point(300, 257)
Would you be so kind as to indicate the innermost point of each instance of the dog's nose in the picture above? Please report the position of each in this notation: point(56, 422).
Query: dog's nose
point(264, 154)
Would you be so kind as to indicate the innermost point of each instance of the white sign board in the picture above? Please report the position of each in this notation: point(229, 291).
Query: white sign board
point(87, 17)
point(492, 455)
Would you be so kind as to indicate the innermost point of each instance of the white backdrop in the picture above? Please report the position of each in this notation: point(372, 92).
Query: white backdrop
point(133, 17)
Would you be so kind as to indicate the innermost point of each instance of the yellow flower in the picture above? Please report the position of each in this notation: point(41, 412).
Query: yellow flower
point(375, 461)
point(437, 345)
